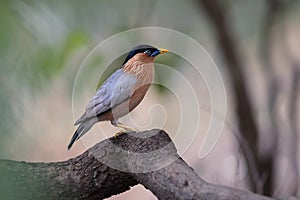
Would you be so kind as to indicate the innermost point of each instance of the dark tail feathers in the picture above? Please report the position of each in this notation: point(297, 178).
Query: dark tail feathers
point(82, 129)
point(74, 138)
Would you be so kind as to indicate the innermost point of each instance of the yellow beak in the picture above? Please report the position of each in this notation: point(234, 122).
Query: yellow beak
point(162, 51)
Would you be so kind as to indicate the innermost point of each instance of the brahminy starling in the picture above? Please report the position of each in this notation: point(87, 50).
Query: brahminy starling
point(121, 92)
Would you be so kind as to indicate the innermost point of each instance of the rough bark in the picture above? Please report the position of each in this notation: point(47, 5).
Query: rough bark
point(87, 177)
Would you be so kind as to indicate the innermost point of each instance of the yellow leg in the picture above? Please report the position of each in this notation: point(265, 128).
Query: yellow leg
point(126, 128)
point(123, 128)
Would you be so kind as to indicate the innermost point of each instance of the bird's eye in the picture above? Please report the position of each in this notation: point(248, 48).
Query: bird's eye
point(148, 52)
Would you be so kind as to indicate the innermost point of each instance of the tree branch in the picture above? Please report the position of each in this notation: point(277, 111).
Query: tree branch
point(87, 177)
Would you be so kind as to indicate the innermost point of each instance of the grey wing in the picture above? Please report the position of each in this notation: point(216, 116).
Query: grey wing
point(115, 90)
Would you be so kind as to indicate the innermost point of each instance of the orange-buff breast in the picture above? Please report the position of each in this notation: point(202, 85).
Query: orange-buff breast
point(143, 69)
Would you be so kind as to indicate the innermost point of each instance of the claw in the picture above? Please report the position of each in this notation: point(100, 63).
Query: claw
point(118, 133)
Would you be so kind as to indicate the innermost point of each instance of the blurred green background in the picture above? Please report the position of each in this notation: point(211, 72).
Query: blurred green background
point(44, 42)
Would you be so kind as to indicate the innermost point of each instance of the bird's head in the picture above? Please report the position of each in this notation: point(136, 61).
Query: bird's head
point(144, 51)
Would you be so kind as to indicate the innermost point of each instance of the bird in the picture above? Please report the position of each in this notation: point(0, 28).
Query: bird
point(121, 92)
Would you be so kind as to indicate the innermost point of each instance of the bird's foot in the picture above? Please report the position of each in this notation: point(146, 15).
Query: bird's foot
point(118, 133)
point(127, 128)
point(123, 127)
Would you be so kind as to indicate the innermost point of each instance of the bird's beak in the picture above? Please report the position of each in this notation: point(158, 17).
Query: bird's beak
point(159, 51)
point(162, 51)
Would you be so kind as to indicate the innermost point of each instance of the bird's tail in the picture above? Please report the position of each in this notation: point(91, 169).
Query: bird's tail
point(81, 130)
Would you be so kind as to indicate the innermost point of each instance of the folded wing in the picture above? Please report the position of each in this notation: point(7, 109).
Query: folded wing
point(115, 90)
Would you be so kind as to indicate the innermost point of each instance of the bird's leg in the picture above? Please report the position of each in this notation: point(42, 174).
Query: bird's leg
point(123, 128)
point(126, 128)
